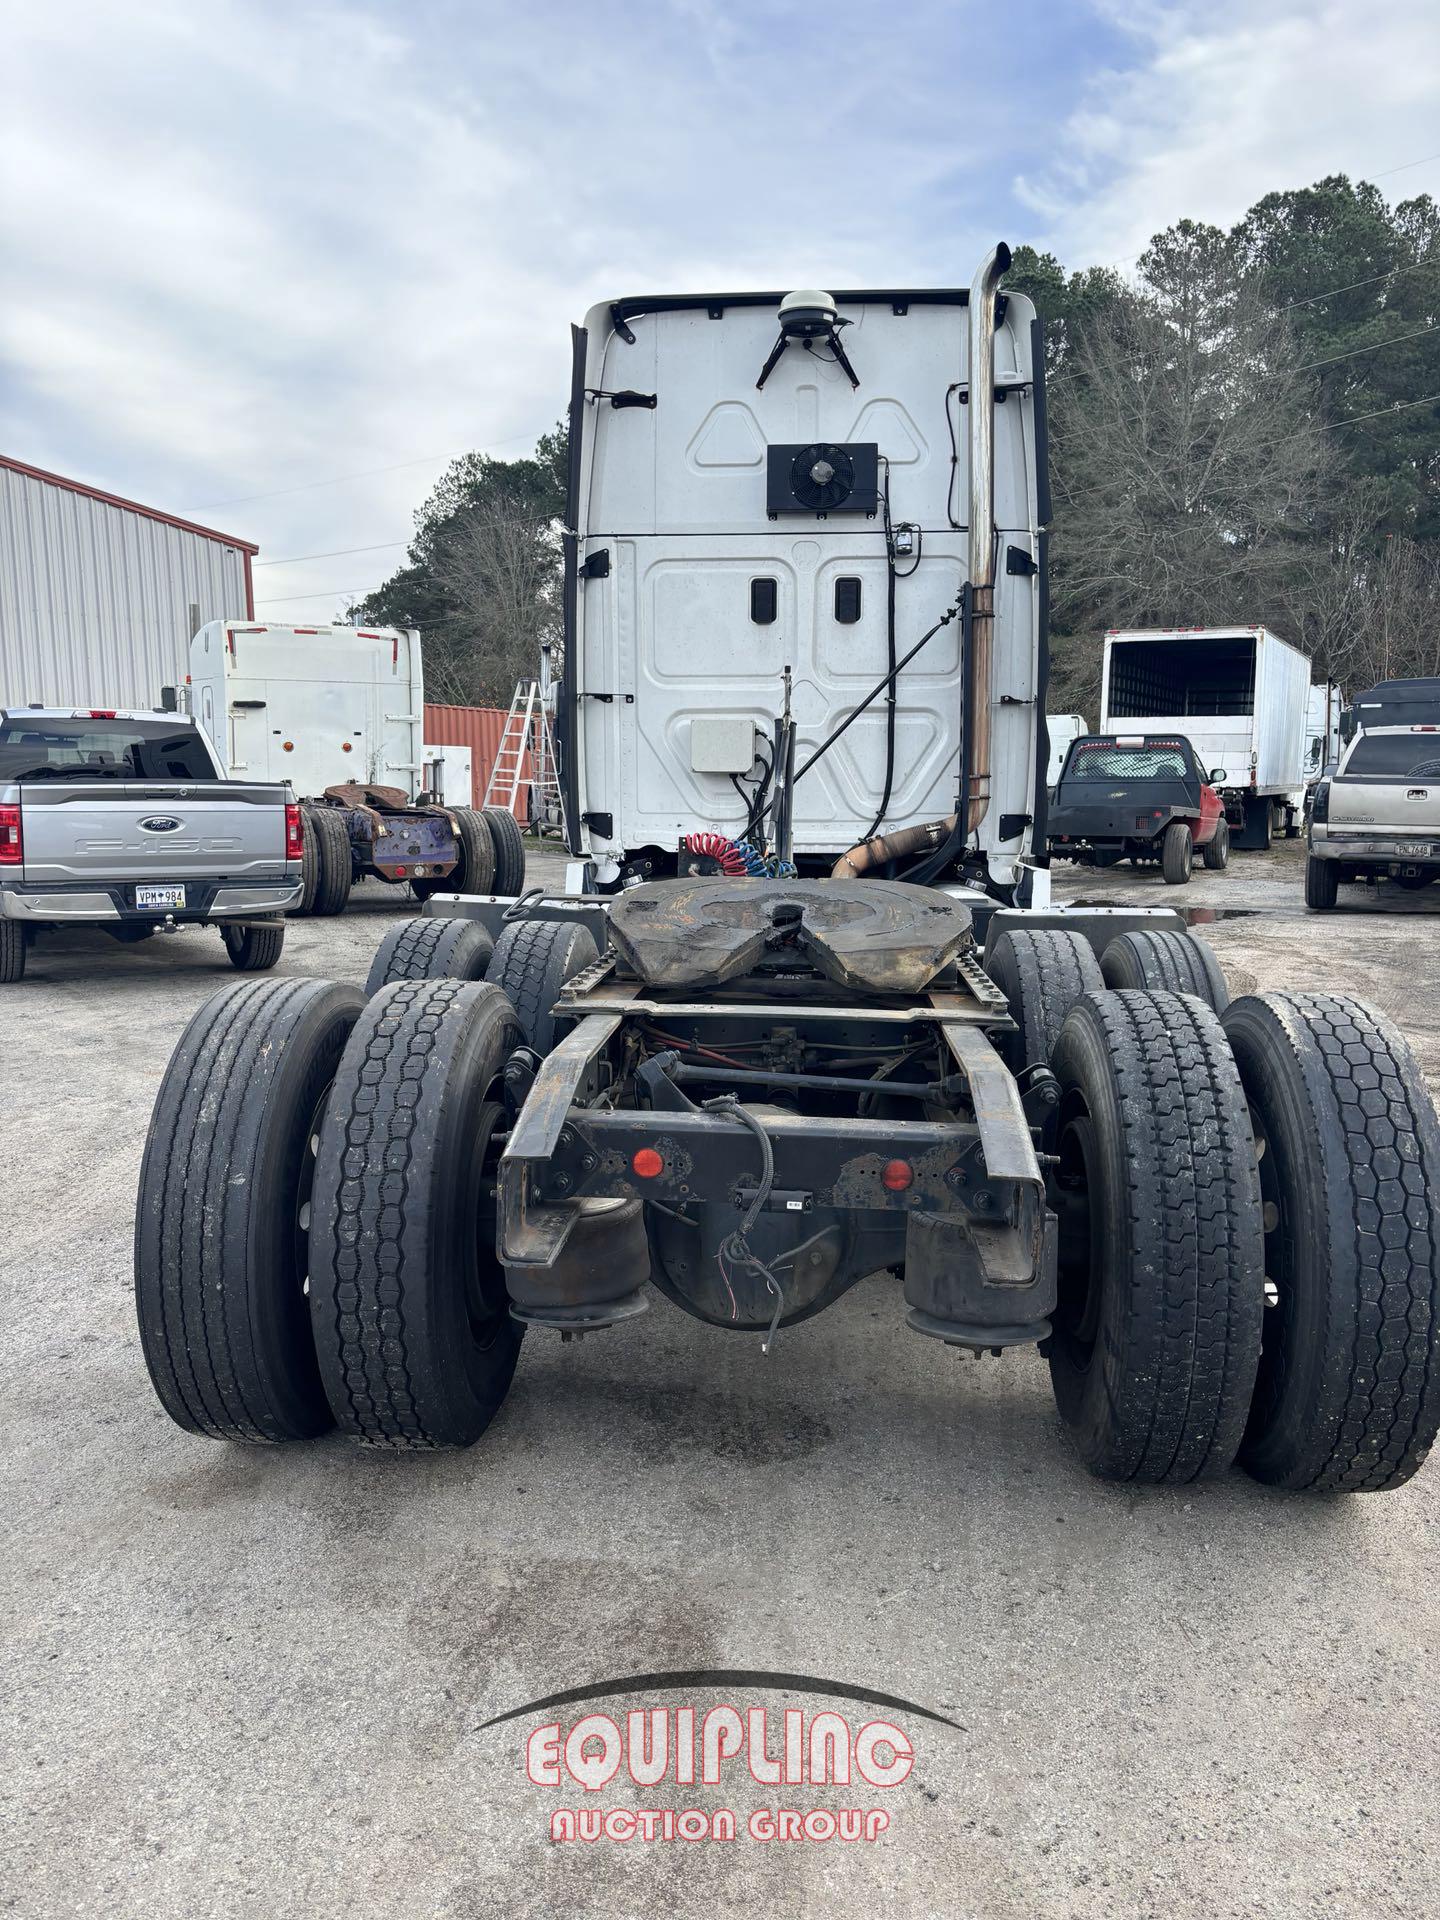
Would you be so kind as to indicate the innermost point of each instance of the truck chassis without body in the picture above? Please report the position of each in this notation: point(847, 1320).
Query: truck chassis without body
point(1217, 1218)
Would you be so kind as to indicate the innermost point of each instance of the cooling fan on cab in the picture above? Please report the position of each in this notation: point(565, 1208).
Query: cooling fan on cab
point(823, 477)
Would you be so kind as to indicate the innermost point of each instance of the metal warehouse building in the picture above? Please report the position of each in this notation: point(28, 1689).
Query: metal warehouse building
point(99, 596)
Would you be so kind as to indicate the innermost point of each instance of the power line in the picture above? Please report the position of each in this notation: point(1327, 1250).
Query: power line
point(365, 473)
point(1374, 347)
point(1400, 406)
point(324, 593)
point(1374, 280)
point(335, 553)
point(1351, 420)
point(1404, 167)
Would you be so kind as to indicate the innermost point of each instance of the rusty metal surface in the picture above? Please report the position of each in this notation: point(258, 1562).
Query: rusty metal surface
point(1004, 1130)
point(605, 1259)
point(542, 1118)
point(876, 936)
point(480, 729)
point(838, 1161)
point(527, 1234)
point(612, 998)
point(351, 793)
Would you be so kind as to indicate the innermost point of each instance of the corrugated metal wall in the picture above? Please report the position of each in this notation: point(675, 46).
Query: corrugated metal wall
point(478, 728)
point(95, 598)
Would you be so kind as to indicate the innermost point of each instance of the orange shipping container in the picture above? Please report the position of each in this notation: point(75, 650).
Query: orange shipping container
point(478, 728)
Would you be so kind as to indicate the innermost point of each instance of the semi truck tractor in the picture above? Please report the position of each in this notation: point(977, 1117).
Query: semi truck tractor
point(1240, 695)
point(730, 1088)
point(339, 712)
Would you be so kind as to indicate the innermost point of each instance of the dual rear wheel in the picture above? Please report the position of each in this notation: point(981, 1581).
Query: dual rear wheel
point(1249, 1248)
point(315, 1230)
point(315, 1241)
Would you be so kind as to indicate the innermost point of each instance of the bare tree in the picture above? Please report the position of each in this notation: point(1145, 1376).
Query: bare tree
point(1389, 616)
point(500, 573)
point(1190, 465)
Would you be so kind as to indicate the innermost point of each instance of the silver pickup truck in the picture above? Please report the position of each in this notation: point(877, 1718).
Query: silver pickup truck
point(125, 821)
point(1378, 815)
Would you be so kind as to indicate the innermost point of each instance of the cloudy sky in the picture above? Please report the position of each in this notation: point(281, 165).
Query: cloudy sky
point(270, 265)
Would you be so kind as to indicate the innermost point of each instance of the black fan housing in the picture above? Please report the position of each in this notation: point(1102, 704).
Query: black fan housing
point(823, 477)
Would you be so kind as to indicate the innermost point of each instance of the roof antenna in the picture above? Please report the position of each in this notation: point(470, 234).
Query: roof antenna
point(807, 316)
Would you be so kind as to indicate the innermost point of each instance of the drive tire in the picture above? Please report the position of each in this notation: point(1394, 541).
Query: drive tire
point(413, 1332)
point(475, 872)
point(1322, 883)
point(1259, 828)
point(1216, 851)
point(430, 950)
point(509, 844)
point(532, 961)
point(1177, 854)
point(1157, 1328)
point(332, 862)
point(1164, 961)
point(13, 946)
point(1041, 974)
point(253, 949)
point(219, 1219)
point(1348, 1394)
point(309, 866)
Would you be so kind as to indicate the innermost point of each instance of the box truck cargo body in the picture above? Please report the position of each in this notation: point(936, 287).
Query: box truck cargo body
point(317, 706)
point(1240, 695)
point(1322, 728)
point(339, 712)
point(1063, 728)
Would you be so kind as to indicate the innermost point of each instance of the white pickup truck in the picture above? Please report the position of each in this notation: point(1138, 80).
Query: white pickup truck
point(125, 821)
point(1378, 815)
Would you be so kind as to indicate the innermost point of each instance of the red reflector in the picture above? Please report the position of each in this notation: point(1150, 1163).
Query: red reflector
point(12, 849)
point(399, 873)
point(896, 1175)
point(345, 747)
point(294, 833)
point(102, 713)
point(646, 1162)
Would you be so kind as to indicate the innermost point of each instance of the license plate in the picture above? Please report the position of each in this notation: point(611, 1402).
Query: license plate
point(159, 896)
point(1414, 850)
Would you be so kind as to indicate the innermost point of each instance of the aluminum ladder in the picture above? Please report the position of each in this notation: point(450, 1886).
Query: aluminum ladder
point(526, 757)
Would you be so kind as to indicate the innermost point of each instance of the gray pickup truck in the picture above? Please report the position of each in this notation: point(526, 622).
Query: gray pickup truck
point(125, 821)
point(1378, 815)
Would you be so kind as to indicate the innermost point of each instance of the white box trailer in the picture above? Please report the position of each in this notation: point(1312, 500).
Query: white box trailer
point(339, 712)
point(1062, 728)
point(450, 775)
point(317, 706)
point(744, 507)
point(1322, 728)
point(1240, 695)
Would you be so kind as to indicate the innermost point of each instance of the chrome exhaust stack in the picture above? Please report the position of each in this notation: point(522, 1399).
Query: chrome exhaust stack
point(974, 803)
point(979, 692)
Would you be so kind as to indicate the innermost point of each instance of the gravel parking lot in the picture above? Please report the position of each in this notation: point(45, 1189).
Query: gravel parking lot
point(247, 1681)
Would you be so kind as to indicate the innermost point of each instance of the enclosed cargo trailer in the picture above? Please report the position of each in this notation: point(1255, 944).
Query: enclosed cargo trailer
point(339, 712)
point(1240, 695)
